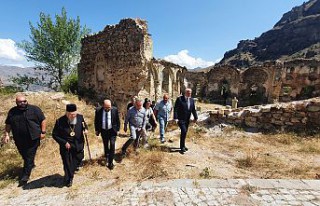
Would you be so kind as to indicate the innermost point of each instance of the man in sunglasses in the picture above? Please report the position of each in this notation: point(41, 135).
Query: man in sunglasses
point(28, 126)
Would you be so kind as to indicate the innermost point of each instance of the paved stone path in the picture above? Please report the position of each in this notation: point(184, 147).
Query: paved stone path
point(173, 192)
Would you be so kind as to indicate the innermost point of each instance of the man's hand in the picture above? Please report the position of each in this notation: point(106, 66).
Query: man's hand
point(86, 131)
point(6, 139)
point(68, 146)
point(97, 134)
point(176, 121)
point(42, 136)
point(195, 121)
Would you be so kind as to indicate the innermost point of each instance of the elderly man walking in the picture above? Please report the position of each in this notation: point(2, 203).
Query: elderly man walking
point(107, 123)
point(68, 132)
point(162, 111)
point(183, 109)
point(28, 126)
point(137, 119)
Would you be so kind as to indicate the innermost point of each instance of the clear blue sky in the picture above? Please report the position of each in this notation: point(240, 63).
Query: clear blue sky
point(206, 28)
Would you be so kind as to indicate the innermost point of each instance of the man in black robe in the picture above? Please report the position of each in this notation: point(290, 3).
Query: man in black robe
point(69, 133)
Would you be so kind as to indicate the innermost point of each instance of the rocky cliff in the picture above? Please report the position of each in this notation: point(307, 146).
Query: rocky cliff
point(295, 36)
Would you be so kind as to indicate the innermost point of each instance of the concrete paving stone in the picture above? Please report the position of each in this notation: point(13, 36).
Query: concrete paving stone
point(284, 191)
point(236, 183)
point(308, 204)
point(280, 202)
point(304, 192)
point(263, 192)
point(310, 197)
point(232, 191)
point(312, 184)
point(267, 198)
point(294, 203)
point(289, 197)
point(202, 204)
point(260, 183)
point(214, 191)
point(294, 192)
point(203, 198)
point(179, 204)
point(316, 193)
point(256, 197)
point(212, 203)
point(222, 190)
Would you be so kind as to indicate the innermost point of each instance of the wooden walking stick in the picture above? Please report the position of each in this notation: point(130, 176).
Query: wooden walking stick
point(86, 137)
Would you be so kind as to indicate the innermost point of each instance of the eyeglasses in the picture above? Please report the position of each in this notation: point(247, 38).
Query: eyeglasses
point(23, 101)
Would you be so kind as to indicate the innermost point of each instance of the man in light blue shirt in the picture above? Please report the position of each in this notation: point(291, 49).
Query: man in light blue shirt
point(137, 119)
point(162, 112)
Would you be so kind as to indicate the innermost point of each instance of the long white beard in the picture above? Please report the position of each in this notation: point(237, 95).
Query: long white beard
point(73, 121)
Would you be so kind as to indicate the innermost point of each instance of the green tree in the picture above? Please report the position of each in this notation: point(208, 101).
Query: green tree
point(55, 46)
point(24, 81)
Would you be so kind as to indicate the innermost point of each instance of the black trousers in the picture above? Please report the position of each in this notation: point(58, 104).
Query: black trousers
point(70, 161)
point(28, 151)
point(109, 143)
point(184, 129)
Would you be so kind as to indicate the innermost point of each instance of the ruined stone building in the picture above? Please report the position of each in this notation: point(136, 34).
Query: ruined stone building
point(118, 62)
point(267, 83)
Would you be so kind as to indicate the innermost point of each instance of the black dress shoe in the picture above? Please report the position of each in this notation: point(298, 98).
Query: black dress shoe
point(24, 178)
point(69, 183)
point(22, 183)
point(110, 166)
point(182, 151)
point(186, 148)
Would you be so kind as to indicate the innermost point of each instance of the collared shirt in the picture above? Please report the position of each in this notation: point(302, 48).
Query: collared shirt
point(136, 118)
point(188, 101)
point(164, 109)
point(106, 120)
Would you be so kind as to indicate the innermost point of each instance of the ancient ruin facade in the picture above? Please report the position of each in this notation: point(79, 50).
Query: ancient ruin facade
point(118, 63)
point(267, 83)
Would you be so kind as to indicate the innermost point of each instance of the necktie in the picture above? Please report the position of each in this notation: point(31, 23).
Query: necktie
point(107, 121)
point(188, 103)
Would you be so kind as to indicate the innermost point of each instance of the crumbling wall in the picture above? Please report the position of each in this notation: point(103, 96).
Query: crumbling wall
point(299, 116)
point(118, 63)
point(267, 83)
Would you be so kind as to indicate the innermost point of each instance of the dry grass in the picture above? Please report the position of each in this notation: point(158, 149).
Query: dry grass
point(231, 153)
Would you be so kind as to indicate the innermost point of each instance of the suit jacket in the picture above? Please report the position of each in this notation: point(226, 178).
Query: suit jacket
point(115, 120)
point(62, 129)
point(181, 111)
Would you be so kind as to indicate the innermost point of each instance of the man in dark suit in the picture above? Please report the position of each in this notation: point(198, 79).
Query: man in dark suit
point(183, 108)
point(107, 123)
point(68, 133)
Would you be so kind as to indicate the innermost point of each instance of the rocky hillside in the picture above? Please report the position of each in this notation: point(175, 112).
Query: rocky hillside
point(296, 35)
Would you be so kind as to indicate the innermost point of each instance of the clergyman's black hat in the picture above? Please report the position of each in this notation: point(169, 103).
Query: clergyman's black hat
point(71, 108)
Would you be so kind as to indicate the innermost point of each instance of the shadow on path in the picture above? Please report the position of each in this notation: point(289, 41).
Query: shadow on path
point(55, 180)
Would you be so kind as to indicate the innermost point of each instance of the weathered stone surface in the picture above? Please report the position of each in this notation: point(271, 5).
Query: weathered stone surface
point(276, 119)
point(117, 63)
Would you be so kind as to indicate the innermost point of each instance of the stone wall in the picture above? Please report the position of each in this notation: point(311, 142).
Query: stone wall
point(298, 116)
point(118, 63)
point(267, 83)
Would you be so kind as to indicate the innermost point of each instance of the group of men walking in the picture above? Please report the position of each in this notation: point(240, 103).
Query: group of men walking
point(28, 125)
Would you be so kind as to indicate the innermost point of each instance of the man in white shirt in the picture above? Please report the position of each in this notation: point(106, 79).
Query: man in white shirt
point(107, 123)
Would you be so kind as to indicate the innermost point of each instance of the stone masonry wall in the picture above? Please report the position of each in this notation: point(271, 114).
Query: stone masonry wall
point(299, 116)
point(118, 63)
point(114, 62)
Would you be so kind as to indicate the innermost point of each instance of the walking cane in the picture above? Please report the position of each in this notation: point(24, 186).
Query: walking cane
point(86, 136)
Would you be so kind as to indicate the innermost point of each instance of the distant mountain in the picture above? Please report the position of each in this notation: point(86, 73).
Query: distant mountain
point(295, 36)
point(8, 71)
